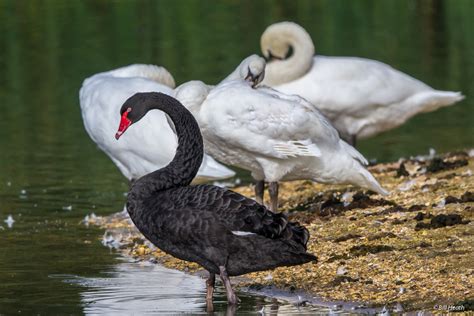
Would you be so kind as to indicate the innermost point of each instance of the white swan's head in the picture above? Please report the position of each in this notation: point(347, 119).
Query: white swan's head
point(280, 39)
point(251, 69)
point(192, 94)
point(289, 50)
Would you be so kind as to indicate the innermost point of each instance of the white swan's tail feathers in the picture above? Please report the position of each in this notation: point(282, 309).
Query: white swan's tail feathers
point(371, 183)
point(354, 153)
point(152, 72)
point(433, 100)
point(211, 170)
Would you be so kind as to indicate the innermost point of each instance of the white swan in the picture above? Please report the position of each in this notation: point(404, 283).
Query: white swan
point(275, 136)
point(101, 97)
point(361, 97)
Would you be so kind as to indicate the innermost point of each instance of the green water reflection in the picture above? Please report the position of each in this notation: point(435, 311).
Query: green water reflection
point(48, 47)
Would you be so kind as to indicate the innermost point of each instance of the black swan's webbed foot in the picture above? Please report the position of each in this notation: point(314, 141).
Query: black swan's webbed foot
point(273, 190)
point(259, 190)
point(231, 297)
point(210, 282)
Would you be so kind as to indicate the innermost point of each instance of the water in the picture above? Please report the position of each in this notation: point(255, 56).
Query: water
point(52, 175)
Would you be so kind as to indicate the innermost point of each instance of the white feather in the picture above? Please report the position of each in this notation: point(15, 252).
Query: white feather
point(242, 233)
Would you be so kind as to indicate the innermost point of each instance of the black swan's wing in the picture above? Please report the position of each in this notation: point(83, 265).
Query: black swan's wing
point(239, 214)
point(201, 236)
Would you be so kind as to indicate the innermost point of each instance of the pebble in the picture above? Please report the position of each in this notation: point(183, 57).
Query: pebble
point(341, 270)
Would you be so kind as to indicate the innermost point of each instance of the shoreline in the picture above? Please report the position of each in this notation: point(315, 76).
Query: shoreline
point(410, 250)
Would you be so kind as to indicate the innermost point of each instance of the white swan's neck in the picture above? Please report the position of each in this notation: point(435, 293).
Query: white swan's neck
point(277, 40)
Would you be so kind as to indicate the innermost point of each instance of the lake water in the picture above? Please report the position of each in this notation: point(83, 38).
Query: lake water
point(52, 175)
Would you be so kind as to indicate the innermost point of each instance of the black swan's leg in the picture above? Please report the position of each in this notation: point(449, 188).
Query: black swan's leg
point(231, 309)
point(231, 297)
point(210, 286)
point(259, 190)
point(273, 190)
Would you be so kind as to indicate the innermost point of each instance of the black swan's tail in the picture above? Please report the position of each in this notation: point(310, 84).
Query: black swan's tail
point(277, 226)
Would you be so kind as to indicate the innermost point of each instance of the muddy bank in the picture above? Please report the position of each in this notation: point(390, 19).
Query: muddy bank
point(412, 249)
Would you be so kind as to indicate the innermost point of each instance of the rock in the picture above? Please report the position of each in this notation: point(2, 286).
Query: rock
point(467, 197)
point(341, 279)
point(416, 207)
point(438, 164)
point(421, 216)
point(361, 200)
point(347, 237)
point(402, 171)
point(362, 250)
point(441, 220)
point(451, 199)
point(382, 235)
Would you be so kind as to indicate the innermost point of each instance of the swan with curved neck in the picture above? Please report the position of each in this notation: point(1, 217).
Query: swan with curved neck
point(277, 137)
point(361, 97)
point(102, 95)
point(223, 231)
point(277, 42)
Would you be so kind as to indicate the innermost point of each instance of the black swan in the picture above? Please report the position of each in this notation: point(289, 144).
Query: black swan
point(223, 231)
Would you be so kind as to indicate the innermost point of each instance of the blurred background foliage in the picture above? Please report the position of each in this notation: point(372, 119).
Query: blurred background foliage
point(48, 47)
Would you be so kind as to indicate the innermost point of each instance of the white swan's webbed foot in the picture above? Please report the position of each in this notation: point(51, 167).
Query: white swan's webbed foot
point(259, 191)
point(231, 297)
point(273, 190)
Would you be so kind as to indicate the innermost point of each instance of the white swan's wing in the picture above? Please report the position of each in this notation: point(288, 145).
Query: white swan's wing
point(265, 121)
point(352, 85)
point(141, 150)
point(359, 94)
point(152, 72)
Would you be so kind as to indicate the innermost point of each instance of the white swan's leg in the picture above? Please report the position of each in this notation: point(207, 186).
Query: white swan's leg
point(273, 190)
point(231, 297)
point(259, 191)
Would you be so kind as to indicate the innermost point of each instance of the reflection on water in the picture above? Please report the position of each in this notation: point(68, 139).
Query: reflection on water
point(141, 288)
point(145, 288)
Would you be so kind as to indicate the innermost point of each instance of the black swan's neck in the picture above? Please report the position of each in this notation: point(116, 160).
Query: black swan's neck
point(185, 164)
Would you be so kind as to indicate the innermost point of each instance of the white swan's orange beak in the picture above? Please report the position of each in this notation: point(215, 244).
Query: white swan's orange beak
point(124, 124)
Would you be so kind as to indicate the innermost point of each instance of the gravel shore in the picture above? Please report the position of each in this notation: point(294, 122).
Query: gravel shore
point(411, 249)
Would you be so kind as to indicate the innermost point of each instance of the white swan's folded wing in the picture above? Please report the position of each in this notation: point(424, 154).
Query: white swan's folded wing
point(266, 122)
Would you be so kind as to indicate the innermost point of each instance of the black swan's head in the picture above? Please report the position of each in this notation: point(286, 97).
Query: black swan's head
point(132, 111)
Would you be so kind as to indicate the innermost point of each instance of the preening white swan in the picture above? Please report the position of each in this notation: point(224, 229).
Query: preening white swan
point(145, 149)
point(361, 97)
point(275, 136)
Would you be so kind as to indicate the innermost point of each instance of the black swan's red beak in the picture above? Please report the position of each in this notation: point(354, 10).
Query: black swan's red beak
point(124, 124)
